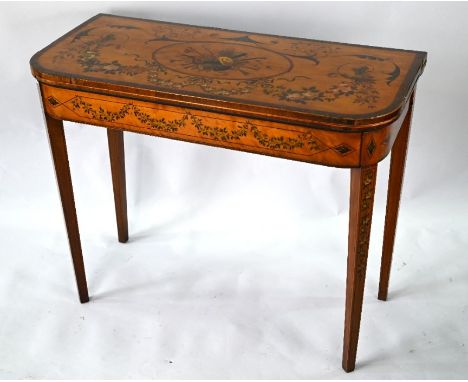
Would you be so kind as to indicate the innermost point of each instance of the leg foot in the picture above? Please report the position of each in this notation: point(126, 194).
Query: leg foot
point(395, 182)
point(360, 218)
point(117, 161)
point(58, 148)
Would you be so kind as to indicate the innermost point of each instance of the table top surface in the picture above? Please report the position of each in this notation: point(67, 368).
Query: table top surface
point(277, 78)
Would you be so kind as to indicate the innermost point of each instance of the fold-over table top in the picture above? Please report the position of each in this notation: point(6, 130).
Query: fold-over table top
point(278, 78)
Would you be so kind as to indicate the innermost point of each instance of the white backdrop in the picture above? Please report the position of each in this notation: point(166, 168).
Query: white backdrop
point(236, 262)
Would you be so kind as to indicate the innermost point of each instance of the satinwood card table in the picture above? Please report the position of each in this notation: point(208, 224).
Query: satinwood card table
point(326, 103)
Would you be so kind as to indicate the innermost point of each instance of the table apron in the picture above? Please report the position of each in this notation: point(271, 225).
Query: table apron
point(306, 144)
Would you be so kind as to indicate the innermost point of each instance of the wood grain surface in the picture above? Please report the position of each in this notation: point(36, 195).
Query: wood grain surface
point(279, 78)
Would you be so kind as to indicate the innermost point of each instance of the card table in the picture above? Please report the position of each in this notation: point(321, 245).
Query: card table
point(326, 103)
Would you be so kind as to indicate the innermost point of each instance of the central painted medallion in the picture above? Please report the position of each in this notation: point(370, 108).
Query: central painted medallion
point(222, 61)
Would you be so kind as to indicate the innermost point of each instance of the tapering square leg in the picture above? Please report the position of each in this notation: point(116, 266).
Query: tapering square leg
point(58, 149)
point(360, 218)
point(395, 182)
point(117, 160)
